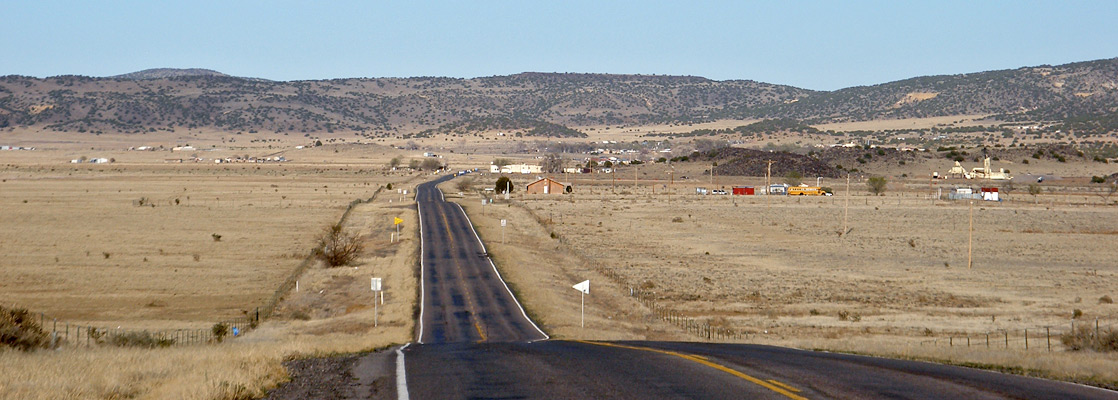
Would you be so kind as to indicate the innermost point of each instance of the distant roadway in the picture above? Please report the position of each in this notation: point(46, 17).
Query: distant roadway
point(476, 342)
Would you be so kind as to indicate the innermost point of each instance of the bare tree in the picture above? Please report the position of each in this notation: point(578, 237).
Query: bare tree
point(1034, 190)
point(430, 164)
point(413, 164)
point(394, 162)
point(500, 162)
point(464, 184)
point(1108, 190)
point(339, 247)
point(705, 145)
point(552, 163)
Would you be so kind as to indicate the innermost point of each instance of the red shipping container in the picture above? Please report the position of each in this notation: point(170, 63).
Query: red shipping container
point(743, 191)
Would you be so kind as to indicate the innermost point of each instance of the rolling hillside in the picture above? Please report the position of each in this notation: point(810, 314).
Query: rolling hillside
point(1082, 95)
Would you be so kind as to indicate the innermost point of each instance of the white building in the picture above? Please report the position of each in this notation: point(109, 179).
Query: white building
point(516, 169)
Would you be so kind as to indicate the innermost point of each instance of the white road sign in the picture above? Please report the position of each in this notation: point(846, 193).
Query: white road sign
point(503, 222)
point(374, 283)
point(583, 287)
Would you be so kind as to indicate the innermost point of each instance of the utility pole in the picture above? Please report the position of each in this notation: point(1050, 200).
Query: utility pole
point(768, 175)
point(970, 237)
point(635, 168)
point(768, 200)
point(846, 208)
point(671, 183)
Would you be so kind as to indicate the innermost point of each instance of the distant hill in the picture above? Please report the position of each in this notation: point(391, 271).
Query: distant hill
point(163, 73)
point(1053, 93)
point(1082, 96)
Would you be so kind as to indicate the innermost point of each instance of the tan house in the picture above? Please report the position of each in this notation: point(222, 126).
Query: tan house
point(547, 186)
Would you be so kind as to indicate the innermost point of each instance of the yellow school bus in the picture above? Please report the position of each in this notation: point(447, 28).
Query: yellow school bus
point(806, 191)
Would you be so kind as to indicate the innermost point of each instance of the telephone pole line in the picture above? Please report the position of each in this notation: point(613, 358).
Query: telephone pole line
point(846, 208)
point(970, 237)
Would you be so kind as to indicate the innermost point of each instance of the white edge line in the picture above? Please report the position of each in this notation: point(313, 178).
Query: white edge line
point(500, 278)
point(401, 374)
point(422, 290)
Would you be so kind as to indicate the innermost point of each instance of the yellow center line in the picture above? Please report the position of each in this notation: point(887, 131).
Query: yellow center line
point(465, 287)
point(775, 386)
point(784, 385)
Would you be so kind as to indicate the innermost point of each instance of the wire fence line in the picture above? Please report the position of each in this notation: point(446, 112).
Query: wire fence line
point(289, 284)
point(693, 326)
point(699, 328)
point(1081, 333)
point(1075, 335)
point(64, 333)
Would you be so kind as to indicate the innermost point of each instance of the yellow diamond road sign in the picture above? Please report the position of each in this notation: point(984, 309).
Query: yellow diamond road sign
point(398, 221)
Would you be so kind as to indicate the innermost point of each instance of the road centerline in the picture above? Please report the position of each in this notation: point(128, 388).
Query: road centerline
point(778, 388)
point(468, 295)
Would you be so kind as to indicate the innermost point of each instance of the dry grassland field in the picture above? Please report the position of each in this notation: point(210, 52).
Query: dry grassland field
point(108, 245)
point(81, 247)
point(115, 244)
point(776, 269)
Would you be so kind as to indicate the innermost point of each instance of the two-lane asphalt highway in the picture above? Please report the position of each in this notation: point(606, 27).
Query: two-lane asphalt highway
point(475, 342)
point(464, 297)
point(558, 369)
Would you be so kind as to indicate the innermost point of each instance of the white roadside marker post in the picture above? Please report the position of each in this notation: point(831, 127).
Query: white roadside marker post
point(374, 284)
point(583, 287)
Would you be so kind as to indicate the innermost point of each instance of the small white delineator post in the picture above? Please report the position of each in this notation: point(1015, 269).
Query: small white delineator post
point(503, 231)
point(583, 287)
point(374, 284)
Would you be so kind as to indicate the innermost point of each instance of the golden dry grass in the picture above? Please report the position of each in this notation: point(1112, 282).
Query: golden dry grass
point(80, 246)
point(541, 271)
point(342, 321)
point(776, 268)
point(1034, 262)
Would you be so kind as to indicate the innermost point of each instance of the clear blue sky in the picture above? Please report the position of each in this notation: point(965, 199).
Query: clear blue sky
point(817, 45)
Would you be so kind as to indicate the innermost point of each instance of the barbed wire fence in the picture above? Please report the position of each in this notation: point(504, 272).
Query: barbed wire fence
point(63, 333)
point(1075, 335)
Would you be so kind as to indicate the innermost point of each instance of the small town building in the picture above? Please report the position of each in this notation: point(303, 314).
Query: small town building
point(742, 191)
point(990, 194)
point(547, 186)
point(516, 169)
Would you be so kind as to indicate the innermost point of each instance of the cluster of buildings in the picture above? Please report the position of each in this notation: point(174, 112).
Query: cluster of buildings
point(250, 160)
point(516, 169)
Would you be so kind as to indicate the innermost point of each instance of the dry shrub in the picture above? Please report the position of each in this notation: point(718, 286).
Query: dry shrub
point(1105, 300)
point(677, 219)
point(19, 330)
point(139, 339)
point(219, 331)
point(1087, 338)
point(339, 247)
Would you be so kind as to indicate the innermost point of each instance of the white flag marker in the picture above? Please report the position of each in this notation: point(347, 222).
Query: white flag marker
point(583, 287)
